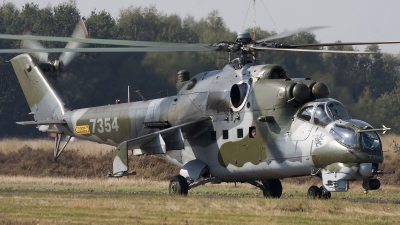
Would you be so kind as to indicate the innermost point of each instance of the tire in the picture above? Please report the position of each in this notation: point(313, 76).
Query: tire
point(274, 188)
point(325, 194)
point(178, 186)
point(313, 192)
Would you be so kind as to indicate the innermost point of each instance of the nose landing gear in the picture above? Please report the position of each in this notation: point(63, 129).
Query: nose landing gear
point(325, 194)
point(318, 193)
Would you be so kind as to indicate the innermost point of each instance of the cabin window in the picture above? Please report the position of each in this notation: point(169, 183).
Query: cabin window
point(320, 116)
point(213, 135)
point(252, 132)
point(240, 133)
point(305, 113)
point(225, 134)
point(338, 111)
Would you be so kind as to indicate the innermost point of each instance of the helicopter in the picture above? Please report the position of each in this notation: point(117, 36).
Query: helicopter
point(247, 122)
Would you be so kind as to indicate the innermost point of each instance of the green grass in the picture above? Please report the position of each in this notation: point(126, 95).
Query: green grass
point(28, 200)
point(132, 185)
point(83, 208)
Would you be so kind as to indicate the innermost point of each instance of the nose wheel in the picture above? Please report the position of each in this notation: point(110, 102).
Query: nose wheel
point(325, 194)
point(318, 193)
point(313, 192)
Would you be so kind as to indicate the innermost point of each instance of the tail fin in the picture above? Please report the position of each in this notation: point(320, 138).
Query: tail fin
point(43, 100)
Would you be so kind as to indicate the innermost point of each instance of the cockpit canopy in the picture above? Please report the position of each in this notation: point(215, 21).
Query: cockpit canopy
point(348, 132)
point(323, 113)
point(347, 136)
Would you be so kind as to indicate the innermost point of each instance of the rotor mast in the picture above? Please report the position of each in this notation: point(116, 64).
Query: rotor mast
point(254, 21)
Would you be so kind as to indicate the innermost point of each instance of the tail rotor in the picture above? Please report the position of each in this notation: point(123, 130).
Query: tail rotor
point(56, 66)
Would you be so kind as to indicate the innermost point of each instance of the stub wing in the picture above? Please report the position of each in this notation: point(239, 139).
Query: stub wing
point(158, 143)
point(168, 139)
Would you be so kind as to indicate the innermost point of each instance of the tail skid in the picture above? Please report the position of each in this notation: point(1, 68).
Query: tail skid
point(57, 142)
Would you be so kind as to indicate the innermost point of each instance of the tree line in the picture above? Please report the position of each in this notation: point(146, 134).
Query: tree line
point(368, 85)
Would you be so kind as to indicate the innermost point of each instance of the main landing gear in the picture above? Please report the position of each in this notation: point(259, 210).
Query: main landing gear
point(318, 193)
point(270, 188)
point(178, 185)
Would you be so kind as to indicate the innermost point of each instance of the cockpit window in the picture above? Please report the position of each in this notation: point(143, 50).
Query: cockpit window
point(305, 113)
point(337, 111)
point(345, 135)
point(320, 116)
point(370, 141)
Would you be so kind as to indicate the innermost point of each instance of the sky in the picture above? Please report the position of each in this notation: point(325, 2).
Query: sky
point(348, 20)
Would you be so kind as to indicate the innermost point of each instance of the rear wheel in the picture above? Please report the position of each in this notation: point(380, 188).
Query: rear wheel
point(178, 186)
point(274, 188)
point(313, 192)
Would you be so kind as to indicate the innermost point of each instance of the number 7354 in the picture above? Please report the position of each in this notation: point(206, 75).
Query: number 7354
point(104, 125)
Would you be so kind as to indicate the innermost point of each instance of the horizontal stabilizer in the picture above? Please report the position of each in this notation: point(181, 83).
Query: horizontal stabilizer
point(42, 122)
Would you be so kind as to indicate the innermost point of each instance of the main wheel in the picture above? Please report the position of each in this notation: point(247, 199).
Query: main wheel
point(325, 194)
point(274, 188)
point(178, 186)
point(313, 192)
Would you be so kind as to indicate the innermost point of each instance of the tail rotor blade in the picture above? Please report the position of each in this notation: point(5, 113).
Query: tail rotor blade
point(33, 44)
point(79, 32)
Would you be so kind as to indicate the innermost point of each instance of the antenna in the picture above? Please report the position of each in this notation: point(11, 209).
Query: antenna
point(141, 95)
point(254, 26)
point(129, 95)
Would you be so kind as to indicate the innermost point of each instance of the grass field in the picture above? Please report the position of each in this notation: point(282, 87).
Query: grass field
point(35, 190)
point(27, 200)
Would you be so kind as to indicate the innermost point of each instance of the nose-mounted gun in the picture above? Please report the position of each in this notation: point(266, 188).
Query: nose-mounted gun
point(355, 153)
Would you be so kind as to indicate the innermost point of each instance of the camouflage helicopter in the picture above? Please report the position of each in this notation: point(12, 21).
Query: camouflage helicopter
point(248, 122)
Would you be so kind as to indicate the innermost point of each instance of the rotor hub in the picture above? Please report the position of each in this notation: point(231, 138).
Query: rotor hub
point(243, 38)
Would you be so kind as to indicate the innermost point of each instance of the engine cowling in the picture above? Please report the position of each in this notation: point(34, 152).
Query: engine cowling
point(238, 94)
point(302, 91)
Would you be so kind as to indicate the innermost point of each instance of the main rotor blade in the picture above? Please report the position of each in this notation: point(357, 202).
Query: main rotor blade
point(133, 49)
point(291, 33)
point(33, 44)
point(345, 43)
point(95, 41)
point(80, 31)
point(309, 50)
point(172, 49)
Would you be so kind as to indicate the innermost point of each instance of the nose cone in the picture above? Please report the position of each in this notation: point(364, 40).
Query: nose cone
point(349, 143)
point(331, 152)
